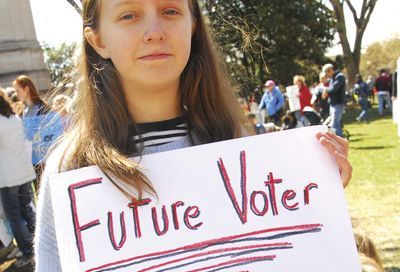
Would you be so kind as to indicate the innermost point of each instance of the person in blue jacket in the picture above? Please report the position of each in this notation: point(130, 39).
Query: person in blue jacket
point(361, 89)
point(337, 96)
point(273, 101)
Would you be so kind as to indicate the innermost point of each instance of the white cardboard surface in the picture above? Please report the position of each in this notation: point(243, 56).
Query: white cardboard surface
point(315, 237)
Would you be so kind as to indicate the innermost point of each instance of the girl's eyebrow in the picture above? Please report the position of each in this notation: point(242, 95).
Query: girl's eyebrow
point(127, 2)
point(122, 3)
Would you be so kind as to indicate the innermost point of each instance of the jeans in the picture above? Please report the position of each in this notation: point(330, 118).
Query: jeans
point(336, 113)
point(18, 207)
point(300, 118)
point(363, 101)
point(384, 96)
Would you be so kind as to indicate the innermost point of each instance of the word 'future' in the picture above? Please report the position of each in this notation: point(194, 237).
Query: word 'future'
point(258, 208)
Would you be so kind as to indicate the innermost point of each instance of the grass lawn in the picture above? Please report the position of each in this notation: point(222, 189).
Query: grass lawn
point(373, 194)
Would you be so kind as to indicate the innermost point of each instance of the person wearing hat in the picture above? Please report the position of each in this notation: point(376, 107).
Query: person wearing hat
point(336, 92)
point(273, 101)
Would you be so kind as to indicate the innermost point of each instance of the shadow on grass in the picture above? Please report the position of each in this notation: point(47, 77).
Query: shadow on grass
point(372, 147)
point(391, 249)
point(392, 269)
point(351, 113)
point(358, 134)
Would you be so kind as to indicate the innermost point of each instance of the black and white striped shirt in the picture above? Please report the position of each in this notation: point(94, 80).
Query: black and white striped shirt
point(159, 133)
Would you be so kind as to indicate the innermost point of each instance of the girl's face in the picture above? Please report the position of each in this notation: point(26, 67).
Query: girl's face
point(22, 93)
point(148, 41)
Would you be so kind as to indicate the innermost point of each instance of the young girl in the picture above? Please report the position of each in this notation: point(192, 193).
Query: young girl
point(28, 94)
point(304, 92)
point(33, 106)
point(150, 82)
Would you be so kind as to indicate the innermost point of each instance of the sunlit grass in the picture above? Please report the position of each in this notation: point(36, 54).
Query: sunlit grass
point(373, 194)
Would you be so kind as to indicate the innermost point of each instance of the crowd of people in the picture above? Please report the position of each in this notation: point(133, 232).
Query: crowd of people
point(323, 103)
point(24, 118)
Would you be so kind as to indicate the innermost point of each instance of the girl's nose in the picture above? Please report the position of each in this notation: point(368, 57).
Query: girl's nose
point(154, 30)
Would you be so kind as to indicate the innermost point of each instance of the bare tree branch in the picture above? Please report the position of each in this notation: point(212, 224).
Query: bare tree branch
point(353, 11)
point(75, 6)
point(341, 25)
point(352, 57)
point(364, 8)
point(371, 6)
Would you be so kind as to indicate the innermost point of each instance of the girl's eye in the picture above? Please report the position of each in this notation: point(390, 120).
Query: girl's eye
point(128, 16)
point(171, 12)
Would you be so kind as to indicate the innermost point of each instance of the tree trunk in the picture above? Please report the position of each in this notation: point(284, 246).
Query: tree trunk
point(352, 69)
point(352, 58)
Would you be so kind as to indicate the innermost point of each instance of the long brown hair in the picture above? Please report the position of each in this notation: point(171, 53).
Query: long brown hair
point(5, 107)
point(101, 120)
point(367, 248)
point(25, 81)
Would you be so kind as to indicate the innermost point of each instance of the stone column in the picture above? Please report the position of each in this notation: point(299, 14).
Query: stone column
point(20, 52)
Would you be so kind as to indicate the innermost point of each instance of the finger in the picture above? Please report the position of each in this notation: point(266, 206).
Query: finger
point(334, 137)
point(339, 139)
point(342, 144)
point(331, 145)
point(345, 168)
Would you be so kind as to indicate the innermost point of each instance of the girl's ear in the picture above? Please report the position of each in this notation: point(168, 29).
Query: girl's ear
point(94, 40)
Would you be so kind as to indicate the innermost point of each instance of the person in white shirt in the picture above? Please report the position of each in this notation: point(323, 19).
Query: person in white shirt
point(17, 174)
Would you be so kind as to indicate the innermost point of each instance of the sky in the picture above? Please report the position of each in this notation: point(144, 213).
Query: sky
point(56, 21)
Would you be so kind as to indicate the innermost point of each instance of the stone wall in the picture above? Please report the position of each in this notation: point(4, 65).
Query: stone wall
point(20, 52)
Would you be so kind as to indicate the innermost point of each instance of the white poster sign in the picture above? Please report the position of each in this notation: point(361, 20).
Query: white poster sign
point(293, 93)
point(272, 202)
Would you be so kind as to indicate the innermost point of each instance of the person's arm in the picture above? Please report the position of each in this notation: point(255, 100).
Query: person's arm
point(337, 84)
point(365, 89)
point(47, 258)
point(280, 100)
point(262, 103)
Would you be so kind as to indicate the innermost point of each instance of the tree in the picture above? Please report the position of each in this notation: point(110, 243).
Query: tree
point(271, 39)
point(380, 55)
point(60, 63)
point(352, 57)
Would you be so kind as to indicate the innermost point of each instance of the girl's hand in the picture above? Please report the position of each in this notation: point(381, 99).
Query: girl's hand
point(339, 148)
